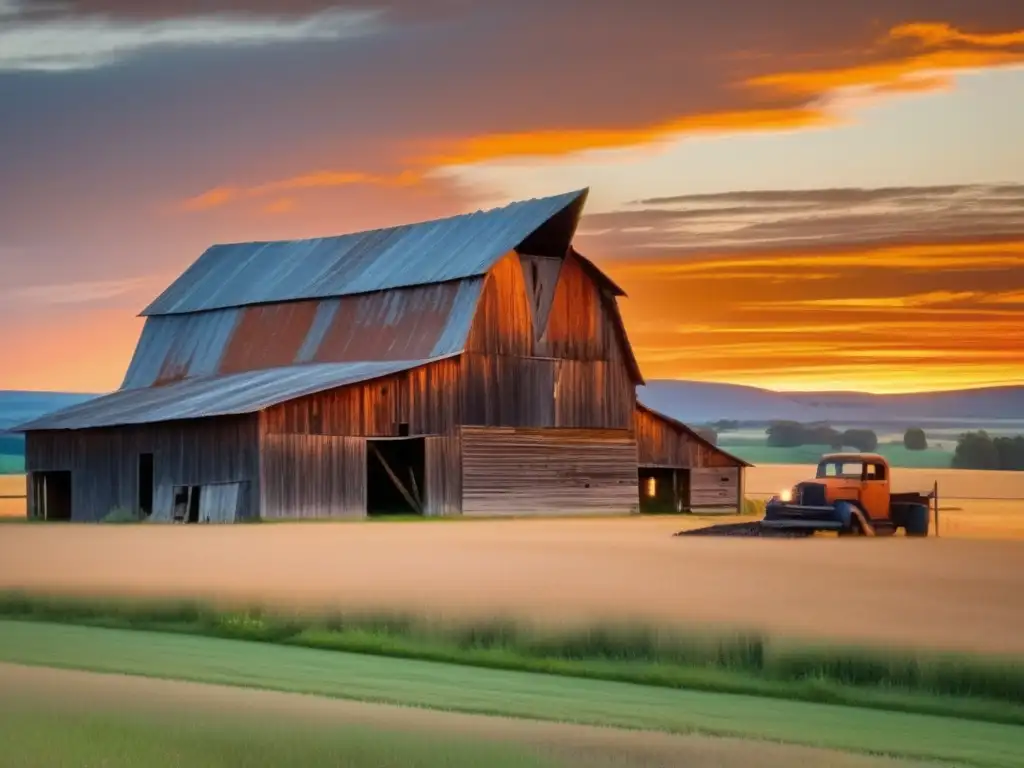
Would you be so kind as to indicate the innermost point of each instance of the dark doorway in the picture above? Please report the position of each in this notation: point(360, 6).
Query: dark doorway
point(395, 476)
point(146, 484)
point(659, 493)
point(186, 504)
point(51, 493)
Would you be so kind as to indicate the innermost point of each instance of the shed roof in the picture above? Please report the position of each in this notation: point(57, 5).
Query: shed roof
point(413, 254)
point(678, 425)
point(215, 395)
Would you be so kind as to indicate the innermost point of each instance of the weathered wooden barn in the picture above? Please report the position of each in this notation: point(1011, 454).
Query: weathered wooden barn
point(471, 365)
point(680, 470)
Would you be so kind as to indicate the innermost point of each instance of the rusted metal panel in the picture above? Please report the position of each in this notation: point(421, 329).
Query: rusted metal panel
point(222, 395)
point(426, 399)
point(503, 324)
point(363, 262)
point(443, 459)
point(403, 324)
point(313, 476)
point(268, 336)
point(665, 442)
point(175, 348)
point(509, 471)
point(105, 462)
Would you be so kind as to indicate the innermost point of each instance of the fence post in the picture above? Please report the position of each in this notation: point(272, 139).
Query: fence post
point(935, 496)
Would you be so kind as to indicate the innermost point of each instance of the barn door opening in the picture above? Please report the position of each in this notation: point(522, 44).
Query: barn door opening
point(186, 503)
point(395, 472)
point(51, 495)
point(659, 493)
point(146, 484)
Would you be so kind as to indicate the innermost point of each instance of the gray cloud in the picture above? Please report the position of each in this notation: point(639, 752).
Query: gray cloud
point(54, 43)
point(781, 219)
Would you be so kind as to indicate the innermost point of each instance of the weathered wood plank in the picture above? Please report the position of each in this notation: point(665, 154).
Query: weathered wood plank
point(314, 476)
point(507, 471)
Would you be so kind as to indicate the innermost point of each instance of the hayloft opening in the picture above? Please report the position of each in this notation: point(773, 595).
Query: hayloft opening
point(51, 495)
point(146, 484)
point(659, 491)
point(395, 473)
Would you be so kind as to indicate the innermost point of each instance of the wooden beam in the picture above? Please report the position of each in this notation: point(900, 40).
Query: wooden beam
point(415, 488)
point(394, 478)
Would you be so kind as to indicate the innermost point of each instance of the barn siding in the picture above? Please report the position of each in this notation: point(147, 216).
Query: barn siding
point(426, 398)
point(661, 444)
point(714, 486)
point(503, 323)
point(104, 462)
point(313, 476)
point(443, 457)
point(548, 471)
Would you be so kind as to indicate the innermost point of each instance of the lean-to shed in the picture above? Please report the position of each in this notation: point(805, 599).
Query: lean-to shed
point(680, 470)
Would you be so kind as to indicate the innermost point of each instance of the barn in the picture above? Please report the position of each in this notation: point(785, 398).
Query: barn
point(681, 471)
point(474, 365)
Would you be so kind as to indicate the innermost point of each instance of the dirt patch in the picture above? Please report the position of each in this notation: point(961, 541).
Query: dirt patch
point(575, 745)
point(924, 592)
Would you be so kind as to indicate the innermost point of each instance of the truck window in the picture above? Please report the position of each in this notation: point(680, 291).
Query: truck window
point(848, 469)
point(874, 472)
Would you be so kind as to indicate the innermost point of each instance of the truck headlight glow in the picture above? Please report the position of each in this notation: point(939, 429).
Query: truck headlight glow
point(786, 495)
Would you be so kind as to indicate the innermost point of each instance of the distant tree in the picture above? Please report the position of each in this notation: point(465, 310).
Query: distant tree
point(976, 450)
point(726, 425)
point(823, 434)
point(1011, 452)
point(864, 440)
point(785, 434)
point(708, 434)
point(914, 439)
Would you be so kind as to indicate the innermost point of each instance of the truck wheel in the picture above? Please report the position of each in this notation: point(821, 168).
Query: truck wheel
point(917, 520)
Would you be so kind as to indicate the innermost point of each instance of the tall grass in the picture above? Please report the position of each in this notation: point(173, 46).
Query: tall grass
point(738, 662)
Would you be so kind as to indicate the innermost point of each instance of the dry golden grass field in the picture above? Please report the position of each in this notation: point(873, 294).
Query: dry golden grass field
point(925, 592)
point(12, 485)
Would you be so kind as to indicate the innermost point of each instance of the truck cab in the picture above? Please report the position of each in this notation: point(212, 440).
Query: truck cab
point(862, 478)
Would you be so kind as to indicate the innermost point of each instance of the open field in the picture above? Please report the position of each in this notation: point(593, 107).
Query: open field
point(12, 485)
point(462, 689)
point(929, 592)
point(898, 456)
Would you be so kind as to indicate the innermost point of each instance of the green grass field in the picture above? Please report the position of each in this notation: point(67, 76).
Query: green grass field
point(11, 465)
point(501, 692)
point(741, 663)
point(120, 738)
point(755, 451)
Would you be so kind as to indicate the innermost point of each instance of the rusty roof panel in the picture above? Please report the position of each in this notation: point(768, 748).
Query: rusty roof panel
point(268, 336)
point(175, 348)
point(414, 254)
point(326, 310)
point(233, 394)
point(410, 324)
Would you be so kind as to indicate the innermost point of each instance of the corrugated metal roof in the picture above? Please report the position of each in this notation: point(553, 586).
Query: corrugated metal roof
point(215, 396)
point(405, 324)
point(413, 254)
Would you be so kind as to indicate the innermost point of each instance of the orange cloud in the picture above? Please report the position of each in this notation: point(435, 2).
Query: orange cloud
point(282, 205)
point(936, 34)
point(219, 196)
point(900, 73)
point(569, 141)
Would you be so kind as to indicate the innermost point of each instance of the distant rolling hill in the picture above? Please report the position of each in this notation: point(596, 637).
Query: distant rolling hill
point(700, 403)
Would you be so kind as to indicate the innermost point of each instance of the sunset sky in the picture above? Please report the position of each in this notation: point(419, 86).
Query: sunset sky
point(796, 194)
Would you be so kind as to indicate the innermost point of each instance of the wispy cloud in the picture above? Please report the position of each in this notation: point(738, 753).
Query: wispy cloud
point(30, 42)
point(825, 219)
point(82, 292)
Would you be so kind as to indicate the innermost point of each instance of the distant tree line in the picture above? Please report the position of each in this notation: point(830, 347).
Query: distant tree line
point(914, 439)
point(791, 434)
point(979, 450)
